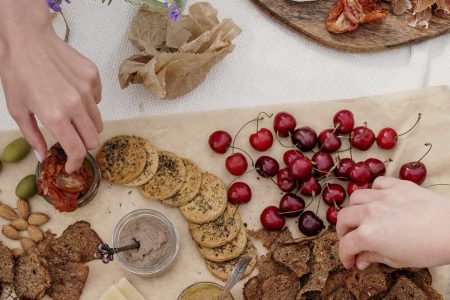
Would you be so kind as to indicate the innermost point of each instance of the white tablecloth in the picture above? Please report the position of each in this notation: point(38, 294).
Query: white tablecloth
point(270, 64)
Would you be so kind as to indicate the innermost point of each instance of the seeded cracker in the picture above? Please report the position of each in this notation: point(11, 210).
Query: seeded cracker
point(223, 270)
point(219, 232)
point(209, 204)
point(122, 159)
point(168, 180)
point(151, 165)
point(190, 188)
point(228, 251)
point(31, 277)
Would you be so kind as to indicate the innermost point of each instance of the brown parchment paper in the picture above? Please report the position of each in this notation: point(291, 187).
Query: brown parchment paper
point(176, 56)
point(187, 136)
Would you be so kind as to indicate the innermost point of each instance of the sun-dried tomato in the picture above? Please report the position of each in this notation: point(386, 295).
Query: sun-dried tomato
point(337, 22)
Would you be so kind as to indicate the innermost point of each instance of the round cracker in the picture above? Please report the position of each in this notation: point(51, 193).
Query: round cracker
point(219, 232)
point(190, 188)
point(223, 270)
point(122, 159)
point(151, 165)
point(168, 180)
point(228, 251)
point(210, 202)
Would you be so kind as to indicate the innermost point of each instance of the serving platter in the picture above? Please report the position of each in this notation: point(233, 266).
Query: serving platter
point(187, 135)
point(308, 19)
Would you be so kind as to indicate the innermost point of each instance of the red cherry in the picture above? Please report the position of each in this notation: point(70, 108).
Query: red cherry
point(322, 162)
point(311, 187)
point(291, 155)
point(284, 123)
point(291, 205)
point(267, 166)
point(236, 164)
point(360, 173)
point(333, 193)
point(261, 140)
point(343, 168)
point(301, 169)
point(332, 213)
point(376, 166)
point(329, 141)
point(413, 171)
point(285, 181)
point(239, 193)
point(310, 224)
point(362, 138)
point(271, 219)
point(387, 138)
point(219, 141)
point(304, 138)
point(352, 186)
point(343, 121)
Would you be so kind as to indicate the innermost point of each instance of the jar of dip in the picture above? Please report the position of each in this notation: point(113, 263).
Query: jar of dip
point(158, 238)
point(203, 291)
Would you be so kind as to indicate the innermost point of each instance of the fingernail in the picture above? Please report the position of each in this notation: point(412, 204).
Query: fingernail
point(38, 156)
point(362, 265)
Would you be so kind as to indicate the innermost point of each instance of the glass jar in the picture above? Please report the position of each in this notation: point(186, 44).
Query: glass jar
point(204, 291)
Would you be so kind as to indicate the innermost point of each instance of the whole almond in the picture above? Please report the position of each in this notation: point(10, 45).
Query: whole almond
point(23, 208)
point(27, 244)
point(16, 252)
point(6, 212)
point(10, 232)
point(38, 219)
point(35, 233)
point(19, 224)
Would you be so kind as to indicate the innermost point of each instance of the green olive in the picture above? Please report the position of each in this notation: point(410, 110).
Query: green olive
point(16, 150)
point(27, 187)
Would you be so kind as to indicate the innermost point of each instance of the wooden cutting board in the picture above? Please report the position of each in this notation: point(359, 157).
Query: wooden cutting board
point(308, 19)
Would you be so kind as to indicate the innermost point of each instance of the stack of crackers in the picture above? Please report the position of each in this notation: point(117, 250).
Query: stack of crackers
point(215, 225)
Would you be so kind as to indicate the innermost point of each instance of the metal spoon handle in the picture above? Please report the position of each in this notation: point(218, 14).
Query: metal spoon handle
point(236, 275)
point(106, 253)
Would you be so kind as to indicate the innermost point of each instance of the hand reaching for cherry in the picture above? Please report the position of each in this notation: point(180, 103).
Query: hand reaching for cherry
point(397, 223)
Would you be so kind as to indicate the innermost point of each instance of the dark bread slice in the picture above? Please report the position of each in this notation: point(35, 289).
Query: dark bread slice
point(6, 265)
point(67, 280)
point(368, 283)
point(335, 288)
point(252, 289)
point(268, 267)
point(295, 257)
point(31, 277)
point(283, 287)
point(405, 289)
point(272, 239)
point(78, 243)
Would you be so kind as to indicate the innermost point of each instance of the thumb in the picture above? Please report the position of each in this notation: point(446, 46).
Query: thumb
point(364, 259)
point(31, 132)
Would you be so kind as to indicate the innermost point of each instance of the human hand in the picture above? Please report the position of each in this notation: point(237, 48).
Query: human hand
point(46, 79)
point(397, 223)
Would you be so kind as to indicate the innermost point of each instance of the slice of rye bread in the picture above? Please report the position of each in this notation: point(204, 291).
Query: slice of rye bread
point(151, 165)
point(283, 287)
point(122, 159)
point(223, 270)
point(31, 277)
point(268, 267)
point(405, 289)
point(295, 257)
point(210, 202)
point(219, 232)
point(77, 243)
point(67, 280)
point(272, 239)
point(168, 180)
point(368, 283)
point(335, 288)
point(252, 289)
point(228, 251)
point(6, 265)
point(190, 188)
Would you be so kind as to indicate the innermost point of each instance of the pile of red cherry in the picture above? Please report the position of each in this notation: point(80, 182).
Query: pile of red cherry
point(311, 176)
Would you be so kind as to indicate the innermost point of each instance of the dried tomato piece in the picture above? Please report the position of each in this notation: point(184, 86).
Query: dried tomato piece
point(363, 11)
point(337, 21)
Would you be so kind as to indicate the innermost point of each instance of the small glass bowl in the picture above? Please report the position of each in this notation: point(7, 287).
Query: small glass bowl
point(173, 248)
point(203, 285)
point(91, 162)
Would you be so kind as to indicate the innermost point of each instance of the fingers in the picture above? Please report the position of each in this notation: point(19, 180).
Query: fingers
point(359, 197)
point(30, 130)
point(384, 182)
point(94, 114)
point(349, 218)
point(364, 259)
point(86, 129)
point(349, 246)
point(97, 92)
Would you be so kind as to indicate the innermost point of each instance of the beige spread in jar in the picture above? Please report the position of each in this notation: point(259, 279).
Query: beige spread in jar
point(153, 236)
point(203, 291)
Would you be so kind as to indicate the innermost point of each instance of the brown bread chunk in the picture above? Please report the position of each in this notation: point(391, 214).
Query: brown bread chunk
point(6, 265)
point(405, 289)
point(268, 267)
point(335, 288)
point(67, 280)
point(272, 239)
point(252, 289)
point(283, 287)
point(295, 257)
point(31, 277)
point(368, 283)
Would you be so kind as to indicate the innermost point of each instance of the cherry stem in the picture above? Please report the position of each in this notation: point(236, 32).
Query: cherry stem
point(334, 130)
point(336, 206)
point(237, 208)
point(318, 205)
point(436, 184)
point(351, 155)
point(290, 212)
point(249, 171)
point(283, 145)
point(348, 149)
point(331, 178)
point(429, 149)
point(419, 116)
point(240, 149)
point(261, 118)
point(310, 202)
point(273, 180)
point(239, 131)
point(387, 161)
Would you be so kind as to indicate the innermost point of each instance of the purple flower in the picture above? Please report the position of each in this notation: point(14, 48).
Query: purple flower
point(174, 13)
point(54, 5)
point(166, 4)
